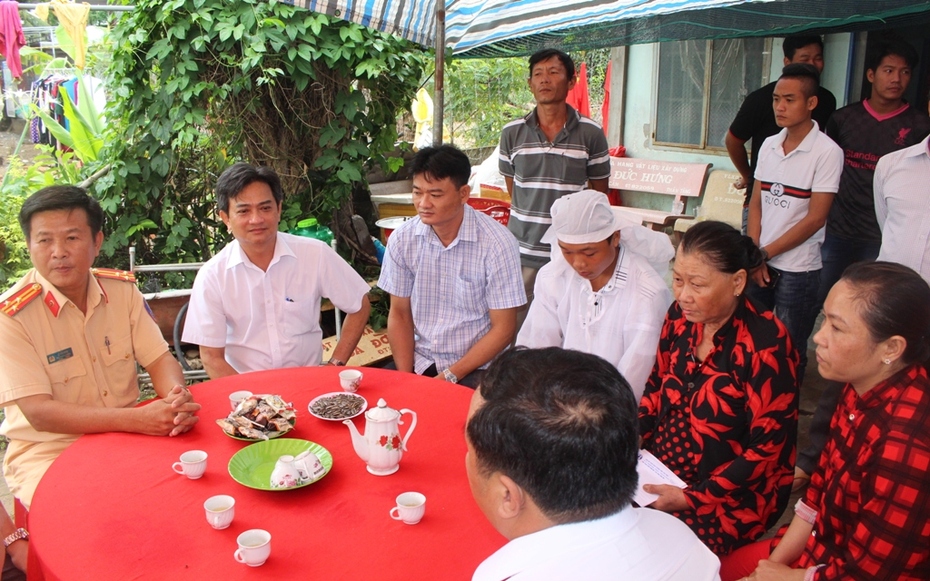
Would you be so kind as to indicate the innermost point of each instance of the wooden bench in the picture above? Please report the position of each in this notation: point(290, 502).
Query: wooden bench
point(721, 201)
point(669, 178)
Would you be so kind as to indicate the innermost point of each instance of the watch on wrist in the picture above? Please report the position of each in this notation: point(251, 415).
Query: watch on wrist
point(450, 377)
point(18, 535)
point(765, 255)
point(336, 362)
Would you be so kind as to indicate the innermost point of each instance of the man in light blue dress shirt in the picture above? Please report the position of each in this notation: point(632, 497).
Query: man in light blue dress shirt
point(453, 275)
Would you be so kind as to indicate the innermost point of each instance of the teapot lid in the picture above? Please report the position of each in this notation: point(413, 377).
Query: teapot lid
point(382, 412)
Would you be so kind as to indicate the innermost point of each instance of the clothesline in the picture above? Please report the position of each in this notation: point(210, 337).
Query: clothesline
point(104, 8)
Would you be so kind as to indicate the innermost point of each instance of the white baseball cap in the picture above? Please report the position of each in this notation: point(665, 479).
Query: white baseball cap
point(580, 218)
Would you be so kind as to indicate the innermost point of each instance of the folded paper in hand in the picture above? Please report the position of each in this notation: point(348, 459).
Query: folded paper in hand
point(652, 471)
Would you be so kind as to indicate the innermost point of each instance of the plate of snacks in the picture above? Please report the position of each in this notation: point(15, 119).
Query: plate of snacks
point(258, 418)
point(337, 406)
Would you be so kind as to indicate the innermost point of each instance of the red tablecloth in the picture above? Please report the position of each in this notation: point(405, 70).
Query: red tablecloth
point(112, 508)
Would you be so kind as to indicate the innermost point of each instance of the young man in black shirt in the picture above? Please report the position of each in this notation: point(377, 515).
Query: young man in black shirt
point(755, 119)
point(866, 131)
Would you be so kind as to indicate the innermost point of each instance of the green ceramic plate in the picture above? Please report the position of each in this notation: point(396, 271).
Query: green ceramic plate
point(252, 465)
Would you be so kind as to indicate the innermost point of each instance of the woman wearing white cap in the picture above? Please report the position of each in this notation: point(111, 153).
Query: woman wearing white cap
point(602, 298)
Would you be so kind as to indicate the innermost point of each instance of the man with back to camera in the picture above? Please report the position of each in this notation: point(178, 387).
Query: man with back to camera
point(453, 275)
point(550, 152)
point(72, 336)
point(796, 178)
point(552, 448)
point(602, 298)
point(865, 131)
point(756, 121)
point(256, 304)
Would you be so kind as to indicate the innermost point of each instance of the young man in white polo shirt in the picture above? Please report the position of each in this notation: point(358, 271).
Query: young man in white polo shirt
point(796, 177)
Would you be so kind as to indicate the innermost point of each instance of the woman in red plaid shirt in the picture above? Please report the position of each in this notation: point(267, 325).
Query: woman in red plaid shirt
point(866, 514)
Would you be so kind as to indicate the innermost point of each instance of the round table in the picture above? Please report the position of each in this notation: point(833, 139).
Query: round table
point(110, 507)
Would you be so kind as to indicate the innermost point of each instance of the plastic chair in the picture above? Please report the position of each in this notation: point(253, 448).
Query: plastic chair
point(496, 209)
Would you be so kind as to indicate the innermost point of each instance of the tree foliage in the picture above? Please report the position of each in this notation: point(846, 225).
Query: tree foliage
point(51, 166)
point(197, 84)
point(483, 95)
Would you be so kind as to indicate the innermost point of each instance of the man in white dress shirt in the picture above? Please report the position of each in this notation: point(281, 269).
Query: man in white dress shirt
point(902, 206)
point(603, 298)
point(256, 304)
point(552, 450)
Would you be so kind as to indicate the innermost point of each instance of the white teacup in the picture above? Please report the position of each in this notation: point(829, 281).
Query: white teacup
point(410, 508)
point(309, 466)
point(193, 464)
point(237, 396)
point(350, 379)
point(220, 510)
point(254, 547)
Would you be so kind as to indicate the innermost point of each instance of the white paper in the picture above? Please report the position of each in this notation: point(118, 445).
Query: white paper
point(652, 471)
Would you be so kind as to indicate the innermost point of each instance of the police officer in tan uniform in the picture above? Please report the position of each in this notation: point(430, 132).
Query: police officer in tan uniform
point(71, 336)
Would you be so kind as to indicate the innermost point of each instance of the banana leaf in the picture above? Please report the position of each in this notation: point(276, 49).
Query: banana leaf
point(85, 131)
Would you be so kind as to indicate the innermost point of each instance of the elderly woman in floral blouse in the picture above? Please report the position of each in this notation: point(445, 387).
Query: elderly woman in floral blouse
point(720, 409)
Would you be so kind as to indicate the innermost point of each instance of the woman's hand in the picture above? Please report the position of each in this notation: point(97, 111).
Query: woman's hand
point(771, 571)
point(671, 498)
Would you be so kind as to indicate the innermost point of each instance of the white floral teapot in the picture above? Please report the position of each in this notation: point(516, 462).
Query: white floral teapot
point(381, 447)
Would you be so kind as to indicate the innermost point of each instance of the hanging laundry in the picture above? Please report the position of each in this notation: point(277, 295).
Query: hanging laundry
point(46, 94)
point(73, 18)
point(422, 108)
point(11, 36)
point(578, 95)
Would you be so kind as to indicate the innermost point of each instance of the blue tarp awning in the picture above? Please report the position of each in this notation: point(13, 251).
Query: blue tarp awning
point(518, 27)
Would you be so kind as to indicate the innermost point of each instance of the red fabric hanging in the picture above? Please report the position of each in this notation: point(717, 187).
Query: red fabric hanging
point(11, 36)
point(578, 96)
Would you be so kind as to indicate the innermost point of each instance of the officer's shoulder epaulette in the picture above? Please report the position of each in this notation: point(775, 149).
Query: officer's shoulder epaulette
point(114, 274)
point(18, 300)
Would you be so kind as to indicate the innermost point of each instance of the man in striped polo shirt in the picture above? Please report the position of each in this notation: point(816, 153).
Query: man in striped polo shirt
point(796, 178)
point(550, 152)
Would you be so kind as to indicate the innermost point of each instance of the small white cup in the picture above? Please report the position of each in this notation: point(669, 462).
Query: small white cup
point(254, 547)
point(220, 511)
point(350, 379)
point(410, 508)
point(193, 464)
point(309, 466)
point(237, 396)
